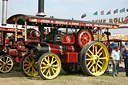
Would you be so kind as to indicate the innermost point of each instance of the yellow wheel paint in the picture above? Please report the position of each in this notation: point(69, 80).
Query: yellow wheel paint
point(29, 66)
point(97, 59)
point(6, 64)
point(50, 66)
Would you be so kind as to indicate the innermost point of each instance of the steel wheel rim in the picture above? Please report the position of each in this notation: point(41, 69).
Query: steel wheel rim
point(29, 66)
point(97, 59)
point(6, 64)
point(50, 66)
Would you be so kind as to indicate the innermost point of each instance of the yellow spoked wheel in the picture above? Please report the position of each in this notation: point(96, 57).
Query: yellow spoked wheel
point(94, 58)
point(28, 66)
point(49, 66)
point(6, 63)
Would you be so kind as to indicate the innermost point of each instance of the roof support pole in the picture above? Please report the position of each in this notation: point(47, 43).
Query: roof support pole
point(25, 31)
point(16, 31)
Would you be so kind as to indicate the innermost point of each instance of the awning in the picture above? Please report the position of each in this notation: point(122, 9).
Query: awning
point(32, 20)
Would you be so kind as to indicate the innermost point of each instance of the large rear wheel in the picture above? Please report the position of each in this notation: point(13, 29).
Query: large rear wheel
point(6, 63)
point(28, 66)
point(94, 58)
point(49, 66)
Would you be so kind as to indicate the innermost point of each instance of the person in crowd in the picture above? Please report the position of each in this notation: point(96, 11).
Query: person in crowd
point(116, 57)
point(125, 56)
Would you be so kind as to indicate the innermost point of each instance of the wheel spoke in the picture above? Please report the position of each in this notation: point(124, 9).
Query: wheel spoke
point(1, 60)
point(54, 61)
point(99, 50)
point(93, 69)
point(32, 70)
point(55, 65)
point(89, 59)
point(26, 64)
point(47, 72)
point(44, 70)
point(7, 59)
point(99, 66)
point(53, 71)
point(10, 64)
point(96, 50)
point(90, 66)
point(93, 48)
point(100, 54)
point(7, 67)
point(28, 59)
point(103, 58)
point(88, 55)
point(27, 68)
point(90, 52)
point(46, 61)
point(100, 61)
point(88, 63)
point(44, 67)
point(43, 63)
point(96, 68)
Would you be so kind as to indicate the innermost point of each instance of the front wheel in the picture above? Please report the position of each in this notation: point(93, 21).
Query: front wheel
point(49, 66)
point(94, 58)
point(28, 66)
point(6, 63)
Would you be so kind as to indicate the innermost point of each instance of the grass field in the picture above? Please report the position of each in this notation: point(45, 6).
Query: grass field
point(17, 78)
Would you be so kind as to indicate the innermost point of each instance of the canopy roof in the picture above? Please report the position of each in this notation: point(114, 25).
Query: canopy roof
point(32, 20)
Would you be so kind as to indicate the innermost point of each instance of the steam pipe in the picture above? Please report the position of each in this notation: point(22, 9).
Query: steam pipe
point(4, 12)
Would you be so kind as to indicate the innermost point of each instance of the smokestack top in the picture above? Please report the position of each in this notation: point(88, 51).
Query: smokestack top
point(41, 8)
point(4, 12)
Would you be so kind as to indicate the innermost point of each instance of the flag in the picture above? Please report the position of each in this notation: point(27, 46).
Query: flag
point(126, 20)
point(84, 15)
point(102, 12)
point(122, 10)
point(127, 10)
point(96, 13)
point(109, 12)
point(115, 11)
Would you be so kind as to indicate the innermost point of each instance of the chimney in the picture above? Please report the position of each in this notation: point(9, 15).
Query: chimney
point(41, 8)
point(4, 12)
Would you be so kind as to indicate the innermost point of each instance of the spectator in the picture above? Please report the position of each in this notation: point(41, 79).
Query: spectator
point(116, 56)
point(125, 56)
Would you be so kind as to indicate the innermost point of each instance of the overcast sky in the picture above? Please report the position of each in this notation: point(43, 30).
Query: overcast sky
point(68, 9)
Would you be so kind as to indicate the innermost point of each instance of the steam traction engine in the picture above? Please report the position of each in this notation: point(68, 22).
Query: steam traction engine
point(72, 51)
point(10, 51)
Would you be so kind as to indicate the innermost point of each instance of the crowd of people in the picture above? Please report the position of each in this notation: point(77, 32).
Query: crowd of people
point(116, 56)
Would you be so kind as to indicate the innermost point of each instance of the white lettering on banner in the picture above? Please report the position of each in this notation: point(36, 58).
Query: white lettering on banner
point(88, 24)
point(45, 21)
point(61, 22)
point(73, 23)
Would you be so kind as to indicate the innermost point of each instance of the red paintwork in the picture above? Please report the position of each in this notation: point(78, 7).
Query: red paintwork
point(57, 48)
point(67, 39)
point(9, 29)
point(35, 40)
point(69, 57)
point(13, 52)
